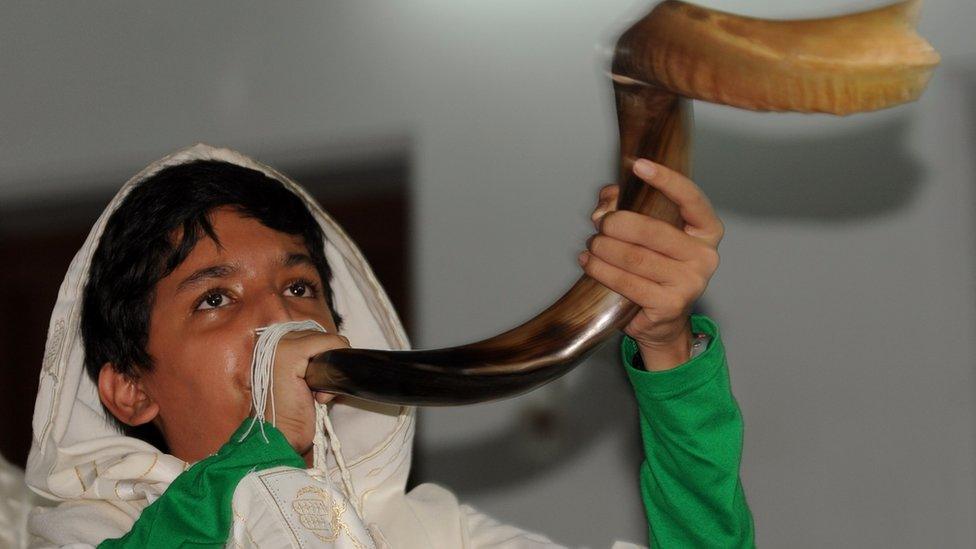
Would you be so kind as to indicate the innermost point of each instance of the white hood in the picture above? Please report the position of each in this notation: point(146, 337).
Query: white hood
point(76, 453)
point(100, 480)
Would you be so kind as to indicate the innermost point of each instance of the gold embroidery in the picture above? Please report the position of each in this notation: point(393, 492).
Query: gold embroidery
point(78, 474)
point(368, 492)
point(403, 420)
point(378, 538)
point(243, 521)
point(53, 348)
point(155, 460)
point(52, 351)
point(321, 514)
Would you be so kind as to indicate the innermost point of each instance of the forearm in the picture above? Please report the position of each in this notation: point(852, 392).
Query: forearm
point(692, 434)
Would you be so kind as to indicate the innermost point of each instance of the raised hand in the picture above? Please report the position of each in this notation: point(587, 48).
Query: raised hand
point(655, 265)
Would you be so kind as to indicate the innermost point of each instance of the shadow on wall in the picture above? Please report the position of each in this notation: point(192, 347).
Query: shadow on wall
point(834, 178)
point(549, 433)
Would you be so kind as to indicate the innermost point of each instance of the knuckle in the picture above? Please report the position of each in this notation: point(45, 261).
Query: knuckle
point(653, 315)
point(592, 269)
point(635, 291)
point(652, 230)
point(654, 225)
point(327, 342)
point(629, 288)
point(618, 223)
point(608, 222)
point(720, 230)
point(633, 258)
point(692, 292)
point(711, 259)
point(597, 244)
point(701, 282)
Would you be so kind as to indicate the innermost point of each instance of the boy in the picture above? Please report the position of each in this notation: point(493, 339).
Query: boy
point(204, 247)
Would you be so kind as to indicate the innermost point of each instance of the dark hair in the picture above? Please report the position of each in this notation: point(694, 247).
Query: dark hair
point(139, 248)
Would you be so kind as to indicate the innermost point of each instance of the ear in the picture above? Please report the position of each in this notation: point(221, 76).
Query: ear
point(125, 397)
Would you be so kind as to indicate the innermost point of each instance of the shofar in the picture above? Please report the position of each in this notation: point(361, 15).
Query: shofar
point(839, 65)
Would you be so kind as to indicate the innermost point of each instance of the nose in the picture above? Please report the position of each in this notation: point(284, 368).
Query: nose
point(272, 309)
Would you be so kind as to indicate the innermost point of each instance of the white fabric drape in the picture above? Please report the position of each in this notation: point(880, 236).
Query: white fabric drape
point(97, 481)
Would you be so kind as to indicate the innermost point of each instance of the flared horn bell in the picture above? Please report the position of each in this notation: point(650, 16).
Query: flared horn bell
point(839, 65)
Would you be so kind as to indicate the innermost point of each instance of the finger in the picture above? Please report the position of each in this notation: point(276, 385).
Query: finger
point(299, 334)
point(323, 398)
point(322, 342)
point(645, 293)
point(654, 234)
point(609, 193)
point(694, 206)
point(607, 202)
point(638, 260)
point(317, 343)
point(305, 334)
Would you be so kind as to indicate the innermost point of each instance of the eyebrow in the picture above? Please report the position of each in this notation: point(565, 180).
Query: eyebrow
point(225, 270)
point(207, 273)
point(293, 259)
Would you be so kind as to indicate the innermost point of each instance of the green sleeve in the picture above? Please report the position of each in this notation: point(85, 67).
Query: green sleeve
point(195, 510)
point(692, 433)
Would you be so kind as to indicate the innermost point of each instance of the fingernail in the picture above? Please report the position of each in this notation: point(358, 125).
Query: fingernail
point(583, 258)
point(645, 168)
point(599, 213)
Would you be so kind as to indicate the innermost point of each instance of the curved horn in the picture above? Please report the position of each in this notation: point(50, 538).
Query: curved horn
point(838, 65)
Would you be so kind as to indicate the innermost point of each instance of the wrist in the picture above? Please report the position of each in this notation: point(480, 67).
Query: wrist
point(297, 434)
point(658, 356)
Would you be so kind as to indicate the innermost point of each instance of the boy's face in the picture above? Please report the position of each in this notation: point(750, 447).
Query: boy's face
point(201, 331)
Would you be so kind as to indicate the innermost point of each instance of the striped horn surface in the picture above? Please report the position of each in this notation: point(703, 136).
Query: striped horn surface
point(678, 52)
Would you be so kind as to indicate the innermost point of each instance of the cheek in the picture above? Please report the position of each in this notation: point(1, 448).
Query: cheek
point(225, 359)
point(232, 358)
point(214, 367)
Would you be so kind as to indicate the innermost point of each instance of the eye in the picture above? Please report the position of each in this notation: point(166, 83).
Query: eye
point(301, 288)
point(212, 300)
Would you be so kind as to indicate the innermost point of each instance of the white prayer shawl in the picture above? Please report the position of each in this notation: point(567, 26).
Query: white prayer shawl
point(99, 481)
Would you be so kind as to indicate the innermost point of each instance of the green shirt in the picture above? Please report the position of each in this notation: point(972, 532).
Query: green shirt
point(692, 434)
point(195, 510)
